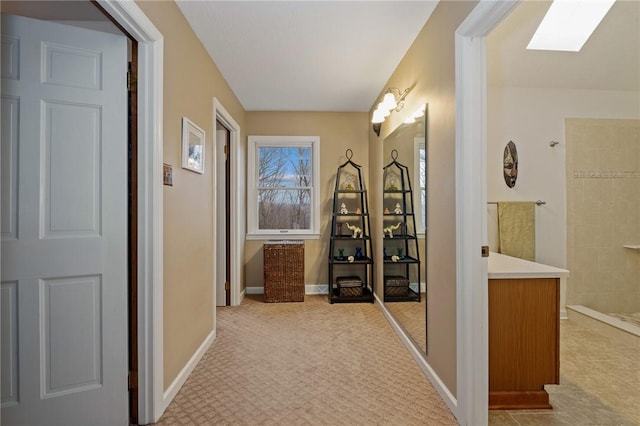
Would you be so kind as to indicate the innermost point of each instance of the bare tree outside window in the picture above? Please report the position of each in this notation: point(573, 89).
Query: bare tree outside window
point(284, 187)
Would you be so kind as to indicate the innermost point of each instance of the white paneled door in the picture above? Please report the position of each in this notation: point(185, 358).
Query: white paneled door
point(63, 223)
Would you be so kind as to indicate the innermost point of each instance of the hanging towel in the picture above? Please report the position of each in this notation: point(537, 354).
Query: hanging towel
point(517, 229)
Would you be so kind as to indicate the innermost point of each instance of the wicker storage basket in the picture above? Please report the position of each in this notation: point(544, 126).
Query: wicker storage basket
point(349, 286)
point(396, 285)
point(283, 271)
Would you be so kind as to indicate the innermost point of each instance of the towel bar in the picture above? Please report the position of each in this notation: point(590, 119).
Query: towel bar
point(538, 202)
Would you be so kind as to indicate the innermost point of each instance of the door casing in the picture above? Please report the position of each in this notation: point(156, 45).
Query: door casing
point(472, 359)
point(238, 219)
point(128, 15)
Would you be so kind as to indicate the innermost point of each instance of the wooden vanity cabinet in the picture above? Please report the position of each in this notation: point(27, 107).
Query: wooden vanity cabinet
point(524, 341)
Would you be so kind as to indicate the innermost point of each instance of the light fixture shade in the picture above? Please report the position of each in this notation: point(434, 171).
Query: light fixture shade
point(389, 101)
point(377, 117)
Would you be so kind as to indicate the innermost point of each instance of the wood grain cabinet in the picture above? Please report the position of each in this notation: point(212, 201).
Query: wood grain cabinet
point(524, 341)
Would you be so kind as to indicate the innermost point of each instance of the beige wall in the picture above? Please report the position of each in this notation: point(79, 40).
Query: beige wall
point(338, 131)
point(191, 81)
point(429, 69)
point(603, 213)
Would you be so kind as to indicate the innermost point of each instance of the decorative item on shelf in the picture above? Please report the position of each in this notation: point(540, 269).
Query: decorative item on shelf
point(389, 229)
point(394, 258)
point(351, 259)
point(348, 182)
point(340, 254)
point(398, 209)
point(384, 252)
point(392, 182)
point(386, 210)
point(358, 254)
point(343, 209)
point(400, 253)
point(358, 211)
point(357, 231)
point(350, 286)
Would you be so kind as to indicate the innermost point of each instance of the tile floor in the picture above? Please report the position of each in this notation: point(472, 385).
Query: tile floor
point(599, 382)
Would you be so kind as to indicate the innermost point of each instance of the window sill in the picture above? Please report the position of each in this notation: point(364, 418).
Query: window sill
point(283, 236)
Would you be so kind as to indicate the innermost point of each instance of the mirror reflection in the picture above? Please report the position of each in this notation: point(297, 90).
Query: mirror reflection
point(404, 204)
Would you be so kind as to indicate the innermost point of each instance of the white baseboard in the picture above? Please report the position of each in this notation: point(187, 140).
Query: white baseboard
point(316, 289)
point(419, 358)
point(182, 377)
point(308, 289)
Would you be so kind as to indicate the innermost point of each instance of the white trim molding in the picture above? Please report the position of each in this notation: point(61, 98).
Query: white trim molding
point(310, 289)
point(150, 204)
point(471, 221)
point(316, 289)
point(419, 358)
point(186, 371)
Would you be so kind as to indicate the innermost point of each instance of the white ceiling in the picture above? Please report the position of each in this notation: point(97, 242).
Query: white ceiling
point(337, 55)
point(307, 55)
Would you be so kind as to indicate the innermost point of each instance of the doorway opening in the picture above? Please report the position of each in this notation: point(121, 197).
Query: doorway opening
point(223, 216)
point(229, 207)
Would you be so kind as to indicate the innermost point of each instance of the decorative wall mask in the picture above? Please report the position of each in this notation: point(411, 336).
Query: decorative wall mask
point(510, 164)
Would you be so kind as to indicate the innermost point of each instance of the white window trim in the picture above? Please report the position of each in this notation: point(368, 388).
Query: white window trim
point(253, 233)
point(417, 144)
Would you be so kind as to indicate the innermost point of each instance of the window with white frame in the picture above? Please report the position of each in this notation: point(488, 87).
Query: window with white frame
point(420, 180)
point(283, 187)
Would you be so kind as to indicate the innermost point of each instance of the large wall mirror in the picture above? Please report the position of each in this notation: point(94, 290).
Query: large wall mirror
point(404, 204)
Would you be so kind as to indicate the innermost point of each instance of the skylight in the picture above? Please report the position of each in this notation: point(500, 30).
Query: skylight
point(568, 24)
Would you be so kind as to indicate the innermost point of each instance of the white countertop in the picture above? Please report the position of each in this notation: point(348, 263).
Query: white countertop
point(504, 267)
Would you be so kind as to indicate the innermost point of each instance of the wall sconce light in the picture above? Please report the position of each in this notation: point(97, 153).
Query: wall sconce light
point(389, 102)
point(417, 114)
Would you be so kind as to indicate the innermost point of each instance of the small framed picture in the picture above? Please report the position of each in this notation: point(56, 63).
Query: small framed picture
point(193, 140)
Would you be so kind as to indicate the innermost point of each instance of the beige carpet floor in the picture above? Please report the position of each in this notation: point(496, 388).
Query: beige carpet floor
point(306, 363)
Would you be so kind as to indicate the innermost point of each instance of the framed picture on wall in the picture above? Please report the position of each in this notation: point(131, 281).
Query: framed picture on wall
point(193, 139)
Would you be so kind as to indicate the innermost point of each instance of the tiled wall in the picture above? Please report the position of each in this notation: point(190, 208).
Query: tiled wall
point(603, 213)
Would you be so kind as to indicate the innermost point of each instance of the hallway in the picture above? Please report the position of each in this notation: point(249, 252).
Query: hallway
point(309, 363)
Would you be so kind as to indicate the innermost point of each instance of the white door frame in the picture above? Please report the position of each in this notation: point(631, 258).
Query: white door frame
point(238, 218)
point(151, 402)
point(471, 221)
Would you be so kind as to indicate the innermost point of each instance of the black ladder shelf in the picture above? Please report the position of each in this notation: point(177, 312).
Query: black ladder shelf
point(350, 253)
point(401, 254)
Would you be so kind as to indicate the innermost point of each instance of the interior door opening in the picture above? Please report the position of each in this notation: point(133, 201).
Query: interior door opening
point(223, 245)
point(132, 227)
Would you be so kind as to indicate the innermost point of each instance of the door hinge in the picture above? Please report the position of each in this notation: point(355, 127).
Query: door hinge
point(485, 251)
point(132, 380)
point(132, 82)
point(226, 150)
point(227, 286)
